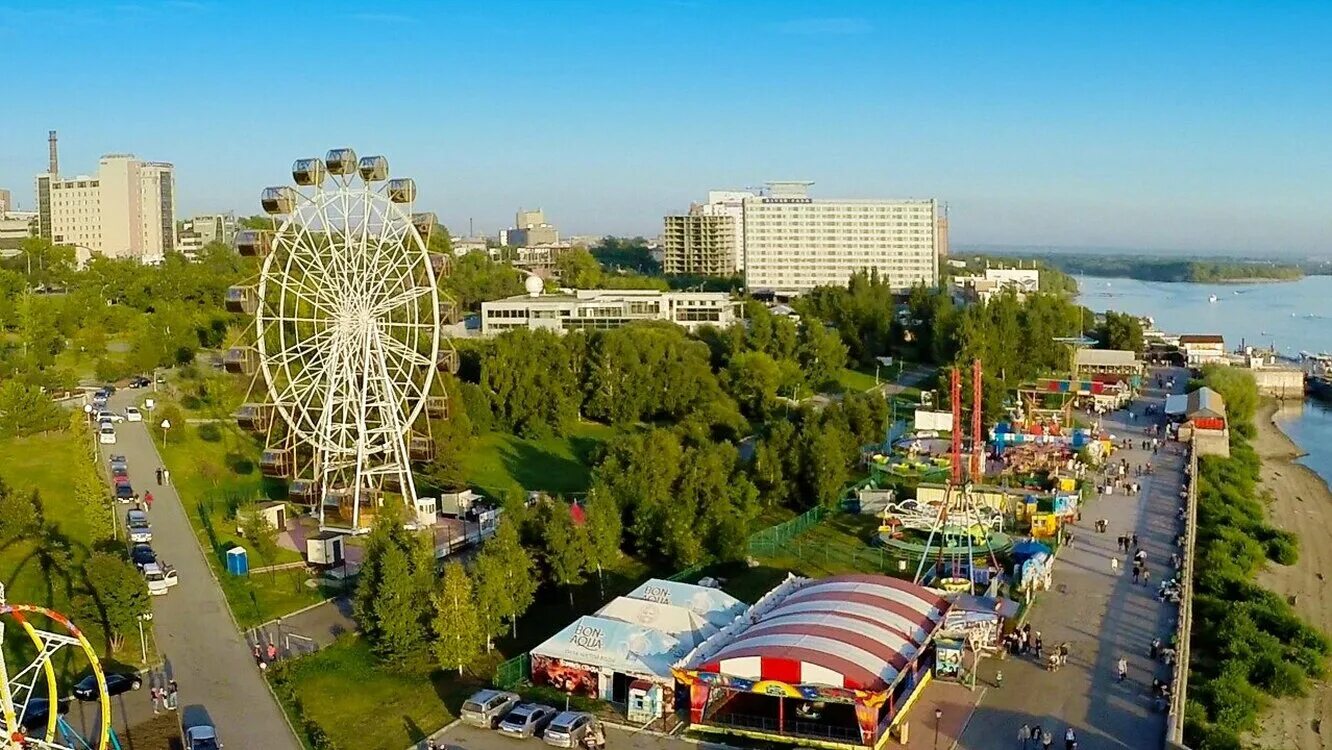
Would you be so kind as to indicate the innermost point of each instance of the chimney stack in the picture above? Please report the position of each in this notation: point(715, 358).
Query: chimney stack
point(54, 168)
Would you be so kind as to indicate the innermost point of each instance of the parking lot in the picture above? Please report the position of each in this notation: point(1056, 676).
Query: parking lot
point(459, 735)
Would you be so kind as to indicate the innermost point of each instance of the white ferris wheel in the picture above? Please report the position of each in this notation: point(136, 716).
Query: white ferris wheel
point(347, 318)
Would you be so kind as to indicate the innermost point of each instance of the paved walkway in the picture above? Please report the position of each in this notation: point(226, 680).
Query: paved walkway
point(1103, 615)
point(196, 637)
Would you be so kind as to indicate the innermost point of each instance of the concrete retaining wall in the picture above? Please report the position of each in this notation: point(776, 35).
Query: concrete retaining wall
point(1180, 681)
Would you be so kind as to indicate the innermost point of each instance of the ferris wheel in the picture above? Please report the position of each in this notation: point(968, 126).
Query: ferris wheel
point(30, 703)
point(347, 317)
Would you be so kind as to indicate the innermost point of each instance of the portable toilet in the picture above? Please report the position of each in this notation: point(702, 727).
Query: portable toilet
point(238, 563)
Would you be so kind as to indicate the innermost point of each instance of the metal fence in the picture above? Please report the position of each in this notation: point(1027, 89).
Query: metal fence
point(514, 672)
point(772, 540)
point(1180, 683)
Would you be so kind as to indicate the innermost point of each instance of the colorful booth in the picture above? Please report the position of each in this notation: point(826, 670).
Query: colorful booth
point(833, 662)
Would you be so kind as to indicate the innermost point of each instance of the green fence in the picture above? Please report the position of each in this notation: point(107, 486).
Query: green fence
point(770, 540)
point(514, 672)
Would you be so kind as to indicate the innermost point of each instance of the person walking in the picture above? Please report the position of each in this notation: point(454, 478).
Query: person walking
point(172, 695)
point(1146, 575)
point(157, 699)
point(1024, 736)
point(1070, 739)
point(1137, 572)
point(1047, 739)
point(1134, 540)
point(272, 651)
point(159, 476)
point(1114, 565)
point(1036, 644)
point(1122, 668)
point(148, 500)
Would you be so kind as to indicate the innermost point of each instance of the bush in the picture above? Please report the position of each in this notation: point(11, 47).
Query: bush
point(1282, 549)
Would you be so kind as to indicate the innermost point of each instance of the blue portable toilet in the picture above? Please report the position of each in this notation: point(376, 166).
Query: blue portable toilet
point(238, 563)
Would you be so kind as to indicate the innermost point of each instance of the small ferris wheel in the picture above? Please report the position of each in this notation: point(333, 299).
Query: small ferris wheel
point(347, 318)
point(30, 704)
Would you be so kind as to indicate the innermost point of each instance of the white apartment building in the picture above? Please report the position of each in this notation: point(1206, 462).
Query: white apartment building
point(128, 210)
point(794, 243)
point(590, 309)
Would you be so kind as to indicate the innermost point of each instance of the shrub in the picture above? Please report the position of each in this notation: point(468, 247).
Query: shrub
point(1282, 549)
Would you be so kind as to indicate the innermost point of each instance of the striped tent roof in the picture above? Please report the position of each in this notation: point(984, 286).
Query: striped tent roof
point(853, 631)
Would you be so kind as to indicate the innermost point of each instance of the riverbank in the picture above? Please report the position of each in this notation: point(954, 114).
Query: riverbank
point(1302, 503)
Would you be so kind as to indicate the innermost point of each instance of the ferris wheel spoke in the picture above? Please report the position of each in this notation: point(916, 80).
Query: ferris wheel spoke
point(403, 299)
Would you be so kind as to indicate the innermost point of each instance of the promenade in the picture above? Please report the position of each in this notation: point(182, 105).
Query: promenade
point(1101, 613)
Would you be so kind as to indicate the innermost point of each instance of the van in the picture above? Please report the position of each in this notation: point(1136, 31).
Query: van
point(486, 707)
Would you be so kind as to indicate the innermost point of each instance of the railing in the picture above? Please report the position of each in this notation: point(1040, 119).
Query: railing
point(794, 728)
point(1180, 683)
point(768, 541)
point(514, 672)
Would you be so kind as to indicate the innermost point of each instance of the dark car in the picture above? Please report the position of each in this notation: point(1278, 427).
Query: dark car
point(34, 718)
point(124, 493)
point(140, 381)
point(141, 555)
point(116, 683)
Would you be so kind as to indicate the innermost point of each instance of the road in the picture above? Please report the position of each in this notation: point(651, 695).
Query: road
point(199, 643)
point(1103, 615)
point(463, 737)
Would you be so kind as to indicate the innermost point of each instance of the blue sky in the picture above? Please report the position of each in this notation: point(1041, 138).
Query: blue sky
point(1153, 125)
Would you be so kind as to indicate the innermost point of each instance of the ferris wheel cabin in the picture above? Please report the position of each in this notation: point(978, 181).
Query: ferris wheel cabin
point(304, 491)
point(340, 161)
point(373, 168)
point(425, 222)
point(254, 243)
point(254, 417)
point(448, 361)
point(309, 172)
point(278, 200)
point(437, 407)
point(276, 463)
point(241, 360)
point(421, 447)
point(402, 190)
point(242, 299)
point(440, 264)
point(448, 312)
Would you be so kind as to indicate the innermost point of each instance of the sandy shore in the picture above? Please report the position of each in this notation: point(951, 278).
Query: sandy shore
point(1303, 504)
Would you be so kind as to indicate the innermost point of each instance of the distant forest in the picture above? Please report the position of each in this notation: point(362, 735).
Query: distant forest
point(1148, 268)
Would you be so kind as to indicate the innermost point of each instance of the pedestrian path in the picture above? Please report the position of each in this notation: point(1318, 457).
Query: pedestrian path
point(1102, 614)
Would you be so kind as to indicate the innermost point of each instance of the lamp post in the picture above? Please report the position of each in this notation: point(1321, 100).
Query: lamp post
point(143, 643)
point(938, 715)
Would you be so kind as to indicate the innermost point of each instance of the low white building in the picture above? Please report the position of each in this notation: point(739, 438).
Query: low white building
point(1021, 281)
point(605, 308)
point(1202, 348)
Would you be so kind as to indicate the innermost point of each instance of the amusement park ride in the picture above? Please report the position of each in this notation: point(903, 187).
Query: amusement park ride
point(346, 337)
point(30, 715)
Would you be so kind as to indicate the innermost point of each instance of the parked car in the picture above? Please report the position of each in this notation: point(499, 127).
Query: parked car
point(107, 434)
point(569, 728)
point(141, 555)
point(140, 534)
point(201, 737)
point(527, 720)
point(160, 579)
point(136, 517)
point(139, 381)
point(119, 477)
point(125, 493)
point(118, 462)
point(105, 415)
point(486, 707)
point(116, 683)
point(34, 718)
point(132, 414)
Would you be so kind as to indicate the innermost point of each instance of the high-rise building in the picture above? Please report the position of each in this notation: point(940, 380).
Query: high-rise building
point(128, 210)
point(710, 239)
point(6, 202)
point(794, 243)
point(530, 228)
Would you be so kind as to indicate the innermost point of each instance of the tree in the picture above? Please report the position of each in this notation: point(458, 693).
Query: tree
point(1121, 331)
point(578, 269)
point(515, 568)
point(261, 536)
point(753, 379)
point(392, 603)
point(605, 533)
point(491, 587)
point(117, 595)
point(25, 410)
point(91, 494)
point(822, 353)
point(457, 624)
point(565, 546)
point(18, 516)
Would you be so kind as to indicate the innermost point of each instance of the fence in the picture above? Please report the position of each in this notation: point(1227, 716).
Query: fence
point(514, 672)
point(773, 539)
point(1180, 683)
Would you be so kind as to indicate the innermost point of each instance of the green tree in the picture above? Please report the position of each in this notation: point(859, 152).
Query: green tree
point(25, 410)
point(392, 602)
point(516, 569)
point(493, 602)
point(822, 353)
point(117, 595)
point(578, 269)
point(605, 533)
point(753, 378)
point(457, 624)
point(1121, 331)
point(94, 502)
point(18, 516)
point(261, 537)
point(565, 547)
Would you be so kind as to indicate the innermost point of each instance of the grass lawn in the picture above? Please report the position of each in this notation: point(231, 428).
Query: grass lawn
point(856, 380)
point(41, 462)
point(357, 703)
point(499, 462)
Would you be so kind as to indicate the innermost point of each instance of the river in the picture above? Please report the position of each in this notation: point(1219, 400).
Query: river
point(1291, 316)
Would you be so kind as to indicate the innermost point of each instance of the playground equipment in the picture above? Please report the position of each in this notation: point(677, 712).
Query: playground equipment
point(30, 715)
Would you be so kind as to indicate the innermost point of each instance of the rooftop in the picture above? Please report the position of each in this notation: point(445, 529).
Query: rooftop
point(1202, 338)
point(1106, 358)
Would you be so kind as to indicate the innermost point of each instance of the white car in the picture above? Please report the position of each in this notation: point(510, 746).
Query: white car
point(133, 414)
point(109, 416)
point(106, 435)
point(160, 579)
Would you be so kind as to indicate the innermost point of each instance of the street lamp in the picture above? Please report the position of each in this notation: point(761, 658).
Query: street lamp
point(938, 715)
point(143, 643)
